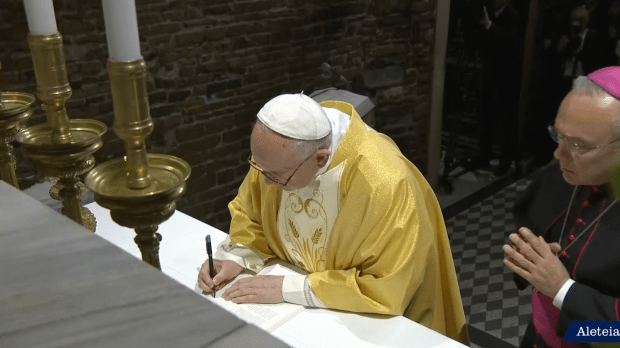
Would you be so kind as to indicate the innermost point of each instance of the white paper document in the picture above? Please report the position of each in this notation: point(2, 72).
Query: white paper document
point(266, 316)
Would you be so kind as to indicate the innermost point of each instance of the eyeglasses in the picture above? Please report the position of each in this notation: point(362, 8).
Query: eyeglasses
point(574, 145)
point(255, 166)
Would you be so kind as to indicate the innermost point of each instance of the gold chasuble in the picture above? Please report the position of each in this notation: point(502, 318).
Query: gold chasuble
point(369, 231)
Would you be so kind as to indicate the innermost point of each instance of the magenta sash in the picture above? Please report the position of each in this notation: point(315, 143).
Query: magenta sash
point(545, 317)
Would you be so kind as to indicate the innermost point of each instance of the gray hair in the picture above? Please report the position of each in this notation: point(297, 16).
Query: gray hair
point(303, 148)
point(582, 85)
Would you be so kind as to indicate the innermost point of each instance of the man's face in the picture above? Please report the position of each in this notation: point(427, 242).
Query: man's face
point(587, 120)
point(273, 154)
point(580, 17)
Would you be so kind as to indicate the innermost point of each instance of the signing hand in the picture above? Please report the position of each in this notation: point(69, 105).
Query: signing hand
point(535, 261)
point(225, 271)
point(257, 289)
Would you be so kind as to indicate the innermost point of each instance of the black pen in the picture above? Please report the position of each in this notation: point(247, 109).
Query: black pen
point(211, 269)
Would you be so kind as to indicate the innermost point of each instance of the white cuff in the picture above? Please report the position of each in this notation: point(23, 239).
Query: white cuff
point(488, 26)
point(293, 289)
point(559, 297)
point(296, 289)
point(243, 256)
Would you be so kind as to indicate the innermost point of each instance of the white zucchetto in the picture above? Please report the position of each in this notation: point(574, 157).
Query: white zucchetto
point(296, 116)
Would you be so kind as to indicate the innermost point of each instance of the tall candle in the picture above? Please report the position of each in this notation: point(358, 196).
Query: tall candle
point(121, 28)
point(40, 16)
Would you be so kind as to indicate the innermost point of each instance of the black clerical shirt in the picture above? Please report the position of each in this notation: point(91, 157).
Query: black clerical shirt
point(593, 260)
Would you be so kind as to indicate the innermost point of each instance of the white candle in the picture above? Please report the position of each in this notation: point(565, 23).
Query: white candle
point(40, 16)
point(121, 28)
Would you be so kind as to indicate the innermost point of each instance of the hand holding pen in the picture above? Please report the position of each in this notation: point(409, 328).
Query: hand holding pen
point(224, 271)
point(211, 268)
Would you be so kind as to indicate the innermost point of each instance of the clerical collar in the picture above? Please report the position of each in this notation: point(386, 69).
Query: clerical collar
point(340, 124)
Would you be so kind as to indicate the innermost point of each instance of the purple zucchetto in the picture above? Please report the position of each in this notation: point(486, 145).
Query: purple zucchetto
point(608, 79)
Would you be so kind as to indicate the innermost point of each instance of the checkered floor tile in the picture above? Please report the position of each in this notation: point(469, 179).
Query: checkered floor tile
point(491, 300)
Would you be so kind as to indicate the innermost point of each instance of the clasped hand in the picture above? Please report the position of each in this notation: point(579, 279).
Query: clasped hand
point(257, 289)
point(534, 259)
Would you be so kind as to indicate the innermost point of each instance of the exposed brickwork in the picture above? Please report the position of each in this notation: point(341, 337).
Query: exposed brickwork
point(213, 64)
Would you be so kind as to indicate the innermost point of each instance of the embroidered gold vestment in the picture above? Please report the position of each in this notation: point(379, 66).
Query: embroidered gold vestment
point(305, 220)
point(387, 251)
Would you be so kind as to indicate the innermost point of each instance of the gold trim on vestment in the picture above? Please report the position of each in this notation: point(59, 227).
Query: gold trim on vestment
point(306, 217)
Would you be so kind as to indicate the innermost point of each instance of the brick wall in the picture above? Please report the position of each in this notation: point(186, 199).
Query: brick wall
point(213, 64)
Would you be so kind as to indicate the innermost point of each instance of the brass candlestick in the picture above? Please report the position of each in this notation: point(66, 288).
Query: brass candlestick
point(141, 189)
point(15, 108)
point(62, 147)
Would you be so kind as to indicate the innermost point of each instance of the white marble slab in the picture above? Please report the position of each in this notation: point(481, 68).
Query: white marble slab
point(62, 286)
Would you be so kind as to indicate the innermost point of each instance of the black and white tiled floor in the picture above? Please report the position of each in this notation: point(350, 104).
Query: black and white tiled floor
point(494, 307)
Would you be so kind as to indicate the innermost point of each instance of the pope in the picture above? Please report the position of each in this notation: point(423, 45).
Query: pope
point(329, 194)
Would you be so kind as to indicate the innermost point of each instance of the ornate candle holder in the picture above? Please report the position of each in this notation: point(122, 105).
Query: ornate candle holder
point(62, 147)
point(15, 108)
point(140, 189)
